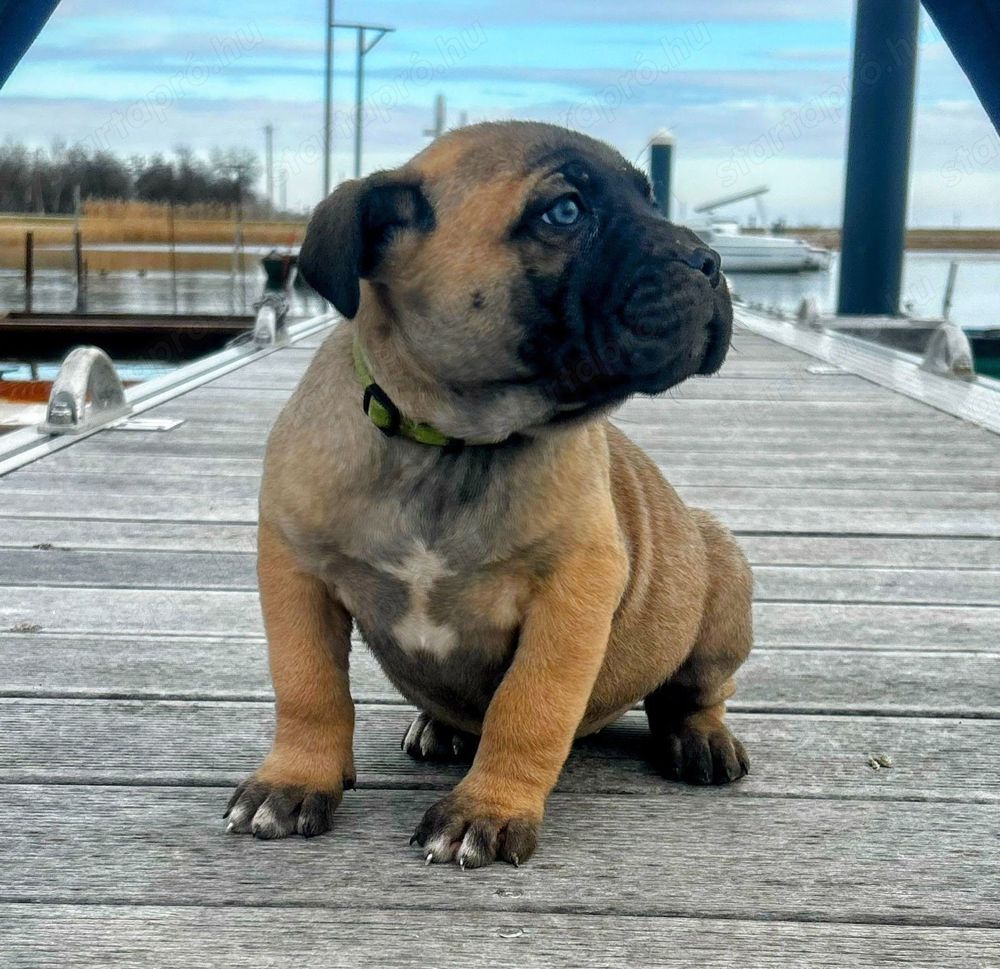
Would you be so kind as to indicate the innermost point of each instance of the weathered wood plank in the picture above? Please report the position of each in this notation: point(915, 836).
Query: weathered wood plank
point(207, 743)
point(837, 498)
point(166, 937)
point(229, 570)
point(122, 483)
point(873, 626)
point(135, 570)
point(683, 423)
point(78, 467)
point(809, 516)
point(196, 613)
point(820, 453)
point(168, 536)
point(82, 460)
point(791, 412)
point(892, 682)
point(777, 549)
point(900, 862)
point(861, 522)
point(876, 552)
point(741, 494)
point(840, 584)
point(808, 387)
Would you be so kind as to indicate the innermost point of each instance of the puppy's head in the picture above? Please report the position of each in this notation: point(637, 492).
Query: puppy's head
point(523, 262)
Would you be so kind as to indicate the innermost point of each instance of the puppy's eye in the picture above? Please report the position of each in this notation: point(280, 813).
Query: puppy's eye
point(564, 211)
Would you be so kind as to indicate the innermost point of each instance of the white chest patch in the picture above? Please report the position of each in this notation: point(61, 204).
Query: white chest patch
point(416, 631)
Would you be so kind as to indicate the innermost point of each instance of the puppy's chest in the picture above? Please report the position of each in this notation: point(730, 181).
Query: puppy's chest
point(427, 600)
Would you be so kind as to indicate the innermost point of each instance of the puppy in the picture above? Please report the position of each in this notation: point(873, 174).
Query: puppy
point(445, 476)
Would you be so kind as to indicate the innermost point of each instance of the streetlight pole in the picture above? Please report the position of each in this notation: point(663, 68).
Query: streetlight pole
point(328, 99)
point(269, 165)
point(364, 44)
point(359, 94)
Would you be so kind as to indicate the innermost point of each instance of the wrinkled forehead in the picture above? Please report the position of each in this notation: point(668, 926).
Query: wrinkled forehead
point(506, 161)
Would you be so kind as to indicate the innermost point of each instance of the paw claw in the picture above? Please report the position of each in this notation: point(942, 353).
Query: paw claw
point(429, 739)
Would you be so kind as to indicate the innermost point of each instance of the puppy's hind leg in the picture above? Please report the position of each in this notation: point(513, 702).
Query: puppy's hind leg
point(430, 739)
point(690, 740)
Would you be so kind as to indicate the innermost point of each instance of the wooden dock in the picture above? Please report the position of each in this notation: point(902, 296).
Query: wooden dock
point(134, 694)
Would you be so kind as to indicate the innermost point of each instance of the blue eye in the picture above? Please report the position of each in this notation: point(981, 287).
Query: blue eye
point(565, 211)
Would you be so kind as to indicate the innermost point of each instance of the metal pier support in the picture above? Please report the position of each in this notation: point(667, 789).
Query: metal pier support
point(661, 150)
point(86, 374)
point(949, 353)
point(272, 308)
point(878, 157)
point(269, 325)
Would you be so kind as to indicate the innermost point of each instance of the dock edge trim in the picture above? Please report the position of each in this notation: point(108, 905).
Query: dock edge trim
point(976, 401)
point(22, 447)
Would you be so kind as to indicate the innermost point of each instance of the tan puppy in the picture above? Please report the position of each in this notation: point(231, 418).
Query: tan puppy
point(445, 476)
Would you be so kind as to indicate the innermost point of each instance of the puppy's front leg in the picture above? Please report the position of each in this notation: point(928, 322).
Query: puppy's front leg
point(496, 810)
point(302, 779)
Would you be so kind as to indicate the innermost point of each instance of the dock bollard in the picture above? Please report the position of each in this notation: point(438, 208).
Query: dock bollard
point(86, 373)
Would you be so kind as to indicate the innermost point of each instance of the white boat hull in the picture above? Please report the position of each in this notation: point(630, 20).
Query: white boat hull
point(761, 253)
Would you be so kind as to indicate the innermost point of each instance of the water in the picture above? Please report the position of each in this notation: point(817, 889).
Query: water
point(976, 300)
point(151, 292)
point(130, 292)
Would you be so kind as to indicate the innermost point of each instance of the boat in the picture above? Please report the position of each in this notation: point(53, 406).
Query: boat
point(746, 252)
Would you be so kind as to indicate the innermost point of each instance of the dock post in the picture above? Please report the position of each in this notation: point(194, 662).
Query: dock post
point(81, 283)
point(661, 152)
point(172, 231)
point(878, 157)
point(29, 269)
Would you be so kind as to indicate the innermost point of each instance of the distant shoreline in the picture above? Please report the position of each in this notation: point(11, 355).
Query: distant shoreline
point(944, 240)
point(53, 234)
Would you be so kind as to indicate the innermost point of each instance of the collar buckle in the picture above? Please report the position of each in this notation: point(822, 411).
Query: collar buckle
point(381, 411)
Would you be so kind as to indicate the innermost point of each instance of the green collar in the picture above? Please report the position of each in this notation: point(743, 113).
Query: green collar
point(386, 416)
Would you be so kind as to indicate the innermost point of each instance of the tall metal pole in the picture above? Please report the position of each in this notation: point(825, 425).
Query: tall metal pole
point(878, 157)
point(269, 163)
point(359, 86)
point(440, 116)
point(328, 99)
point(364, 46)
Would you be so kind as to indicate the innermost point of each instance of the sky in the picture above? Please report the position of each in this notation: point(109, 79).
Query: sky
point(755, 92)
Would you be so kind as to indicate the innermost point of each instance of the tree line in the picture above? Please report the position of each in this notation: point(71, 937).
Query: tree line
point(43, 181)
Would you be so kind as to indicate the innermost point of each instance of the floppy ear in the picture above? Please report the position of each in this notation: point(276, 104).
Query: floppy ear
point(350, 229)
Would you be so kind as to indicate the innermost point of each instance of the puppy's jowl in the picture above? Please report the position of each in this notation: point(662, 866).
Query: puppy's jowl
point(446, 477)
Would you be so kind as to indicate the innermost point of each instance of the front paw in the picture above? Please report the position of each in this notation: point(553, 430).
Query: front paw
point(273, 810)
point(475, 833)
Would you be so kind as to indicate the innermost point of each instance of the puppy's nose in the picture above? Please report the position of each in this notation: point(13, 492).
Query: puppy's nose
point(707, 262)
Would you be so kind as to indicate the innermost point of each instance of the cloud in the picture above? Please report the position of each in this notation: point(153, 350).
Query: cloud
point(447, 13)
point(812, 55)
point(760, 96)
